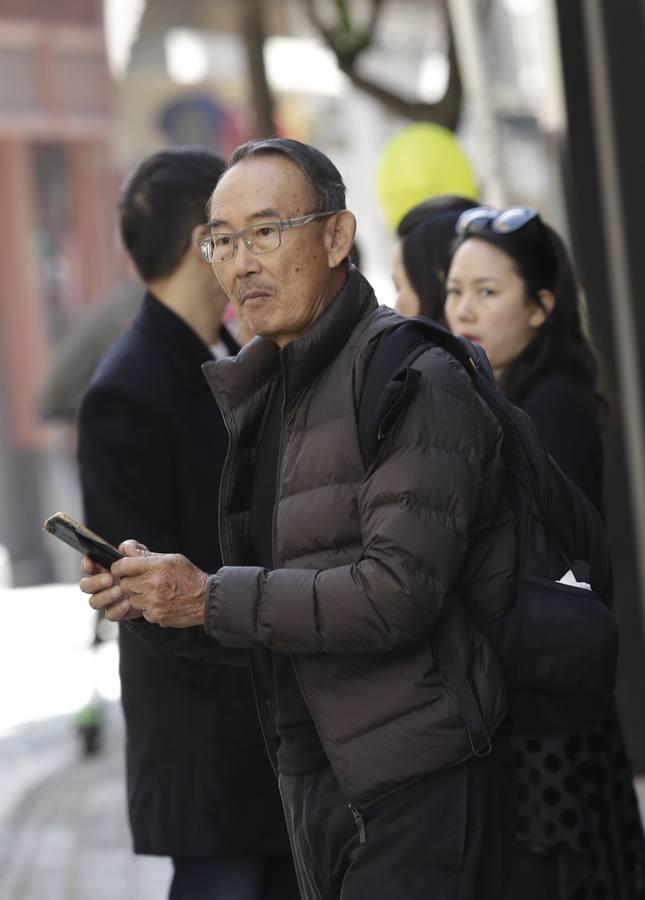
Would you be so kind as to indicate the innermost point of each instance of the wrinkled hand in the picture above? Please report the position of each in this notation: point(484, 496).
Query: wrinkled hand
point(105, 590)
point(166, 588)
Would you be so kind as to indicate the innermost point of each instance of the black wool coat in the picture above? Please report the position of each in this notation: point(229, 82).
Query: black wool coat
point(151, 450)
point(565, 413)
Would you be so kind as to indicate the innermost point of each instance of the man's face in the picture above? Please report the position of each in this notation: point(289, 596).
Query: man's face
point(280, 293)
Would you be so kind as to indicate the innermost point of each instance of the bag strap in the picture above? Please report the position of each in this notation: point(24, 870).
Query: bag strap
point(389, 386)
point(454, 673)
point(381, 390)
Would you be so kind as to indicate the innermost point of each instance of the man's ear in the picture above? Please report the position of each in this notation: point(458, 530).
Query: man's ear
point(339, 237)
point(198, 232)
point(543, 309)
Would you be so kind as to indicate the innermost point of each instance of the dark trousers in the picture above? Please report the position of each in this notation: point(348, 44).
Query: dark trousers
point(252, 878)
point(448, 837)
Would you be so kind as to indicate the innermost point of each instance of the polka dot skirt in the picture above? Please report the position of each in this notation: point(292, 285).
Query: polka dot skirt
point(576, 794)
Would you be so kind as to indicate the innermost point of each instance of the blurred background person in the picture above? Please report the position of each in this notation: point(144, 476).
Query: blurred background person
point(82, 348)
point(151, 450)
point(512, 288)
point(421, 255)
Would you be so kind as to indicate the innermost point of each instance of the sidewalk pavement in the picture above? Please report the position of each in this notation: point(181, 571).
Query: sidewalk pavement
point(67, 837)
point(63, 825)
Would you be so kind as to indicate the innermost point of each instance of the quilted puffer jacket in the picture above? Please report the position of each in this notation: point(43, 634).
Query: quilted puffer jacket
point(368, 562)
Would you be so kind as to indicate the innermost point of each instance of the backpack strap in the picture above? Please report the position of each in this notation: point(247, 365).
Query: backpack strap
point(390, 384)
point(455, 676)
point(384, 394)
point(388, 388)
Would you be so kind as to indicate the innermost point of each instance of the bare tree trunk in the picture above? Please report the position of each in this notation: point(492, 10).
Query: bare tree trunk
point(253, 33)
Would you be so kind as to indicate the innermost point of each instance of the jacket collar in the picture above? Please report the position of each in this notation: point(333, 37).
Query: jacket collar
point(234, 380)
point(305, 358)
point(180, 344)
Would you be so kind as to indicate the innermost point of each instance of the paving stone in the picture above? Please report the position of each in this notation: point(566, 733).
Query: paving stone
point(67, 838)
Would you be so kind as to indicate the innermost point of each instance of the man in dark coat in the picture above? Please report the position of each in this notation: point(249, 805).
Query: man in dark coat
point(151, 451)
point(345, 581)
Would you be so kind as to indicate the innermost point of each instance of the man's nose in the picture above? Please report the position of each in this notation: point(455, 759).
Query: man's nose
point(245, 261)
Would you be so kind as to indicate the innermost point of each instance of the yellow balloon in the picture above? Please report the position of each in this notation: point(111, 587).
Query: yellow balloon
point(422, 161)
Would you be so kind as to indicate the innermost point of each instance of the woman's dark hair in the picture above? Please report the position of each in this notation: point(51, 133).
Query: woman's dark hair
point(162, 201)
point(427, 208)
point(427, 235)
point(563, 343)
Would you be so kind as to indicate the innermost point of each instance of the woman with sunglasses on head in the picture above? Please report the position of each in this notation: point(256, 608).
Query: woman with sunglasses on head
point(512, 288)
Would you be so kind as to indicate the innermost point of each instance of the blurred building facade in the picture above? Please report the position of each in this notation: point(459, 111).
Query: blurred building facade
point(57, 248)
point(602, 49)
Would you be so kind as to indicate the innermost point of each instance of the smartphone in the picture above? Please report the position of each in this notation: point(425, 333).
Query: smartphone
point(82, 539)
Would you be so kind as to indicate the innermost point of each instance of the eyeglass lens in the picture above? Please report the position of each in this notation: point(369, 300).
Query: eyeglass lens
point(258, 239)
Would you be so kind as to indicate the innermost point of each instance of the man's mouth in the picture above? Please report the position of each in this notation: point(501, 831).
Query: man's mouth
point(257, 294)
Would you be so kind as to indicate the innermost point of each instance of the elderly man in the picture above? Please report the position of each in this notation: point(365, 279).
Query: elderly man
point(343, 581)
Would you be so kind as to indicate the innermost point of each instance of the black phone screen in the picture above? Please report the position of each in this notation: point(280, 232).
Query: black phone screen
point(82, 539)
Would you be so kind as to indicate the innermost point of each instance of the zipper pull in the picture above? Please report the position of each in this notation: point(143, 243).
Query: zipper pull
point(360, 824)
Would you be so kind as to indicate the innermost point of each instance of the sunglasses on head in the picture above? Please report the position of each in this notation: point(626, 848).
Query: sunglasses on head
point(499, 221)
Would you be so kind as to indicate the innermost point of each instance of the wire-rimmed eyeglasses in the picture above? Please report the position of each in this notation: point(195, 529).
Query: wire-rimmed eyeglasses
point(500, 221)
point(219, 247)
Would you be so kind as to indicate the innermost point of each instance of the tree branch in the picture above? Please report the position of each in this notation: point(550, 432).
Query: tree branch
point(253, 32)
point(347, 45)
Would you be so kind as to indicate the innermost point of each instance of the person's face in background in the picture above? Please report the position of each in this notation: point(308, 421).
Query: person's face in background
point(407, 300)
point(486, 301)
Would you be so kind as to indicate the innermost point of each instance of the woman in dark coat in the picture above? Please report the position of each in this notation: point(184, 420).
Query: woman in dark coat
point(511, 287)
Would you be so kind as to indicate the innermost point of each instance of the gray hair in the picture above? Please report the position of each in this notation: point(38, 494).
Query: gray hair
point(318, 169)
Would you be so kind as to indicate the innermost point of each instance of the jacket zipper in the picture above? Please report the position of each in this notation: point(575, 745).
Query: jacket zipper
point(224, 490)
point(264, 714)
point(260, 703)
point(360, 823)
point(358, 818)
point(356, 813)
point(278, 471)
